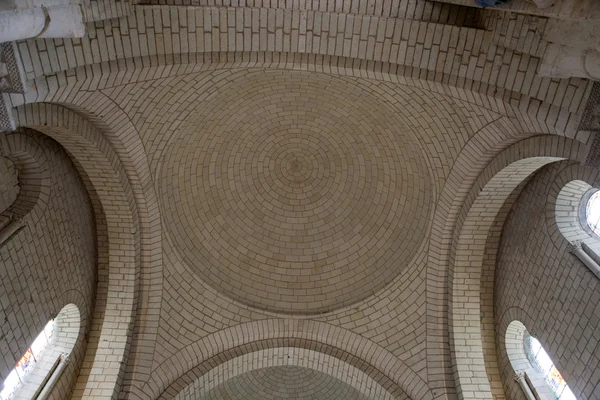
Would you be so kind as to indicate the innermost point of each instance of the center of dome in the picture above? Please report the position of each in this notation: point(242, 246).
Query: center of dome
point(295, 166)
point(298, 204)
point(298, 167)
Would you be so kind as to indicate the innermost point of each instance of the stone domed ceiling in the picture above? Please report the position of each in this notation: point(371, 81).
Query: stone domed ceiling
point(294, 192)
point(285, 382)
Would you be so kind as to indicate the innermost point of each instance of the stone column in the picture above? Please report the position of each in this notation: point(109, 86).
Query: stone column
point(576, 248)
point(41, 22)
point(566, 62)
point(520, 377)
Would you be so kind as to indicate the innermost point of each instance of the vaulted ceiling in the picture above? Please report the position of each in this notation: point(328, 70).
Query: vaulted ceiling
point(296, 200)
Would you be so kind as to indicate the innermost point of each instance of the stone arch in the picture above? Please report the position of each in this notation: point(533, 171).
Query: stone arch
point(514, 346)
point(68, 323)
point(511, 331)
point(488, 141)
point(513, 342)
point(47, 275)
point(114, 124)
point(145, 69)
point(202, 45)
point(112, 83)
point(118, 230)
point(271, 357)
point(123, 146)
point(328, 41)
point(69, 312)
point(77, 339)
point(68, 330)
point(284, 382)
point(513, 357)
point(498, 183)
point(33, 177)
point(183, 367)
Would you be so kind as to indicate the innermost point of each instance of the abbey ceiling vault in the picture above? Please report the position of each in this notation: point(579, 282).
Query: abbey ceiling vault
point(269, 199)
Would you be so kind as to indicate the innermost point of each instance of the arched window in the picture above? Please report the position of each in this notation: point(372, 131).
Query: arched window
point(543, 364)
point(18, 376)
point(36, 374)
point(535, 372)
point(577, 217)
point(592, 212)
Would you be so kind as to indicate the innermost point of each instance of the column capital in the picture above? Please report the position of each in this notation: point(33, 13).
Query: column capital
point(574, 246)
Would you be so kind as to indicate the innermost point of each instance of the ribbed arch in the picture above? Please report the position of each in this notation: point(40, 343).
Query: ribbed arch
point(118, 230)
point(337, 368)
point(184, 367)
point(497, 183)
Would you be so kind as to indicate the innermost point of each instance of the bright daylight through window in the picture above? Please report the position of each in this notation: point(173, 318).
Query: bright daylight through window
point(592, 213)
point(542, 362)
point(18, 376)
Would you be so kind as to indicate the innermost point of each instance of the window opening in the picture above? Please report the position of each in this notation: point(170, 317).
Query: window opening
point(543, 364)
point(592, 212)
point(26, 364)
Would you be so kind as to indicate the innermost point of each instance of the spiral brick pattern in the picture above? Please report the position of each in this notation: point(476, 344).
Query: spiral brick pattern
point(294, 192)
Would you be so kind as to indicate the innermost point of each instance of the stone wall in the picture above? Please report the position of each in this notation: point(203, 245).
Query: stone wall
point(9, 184)
point(548, 289)
point(52, 261)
